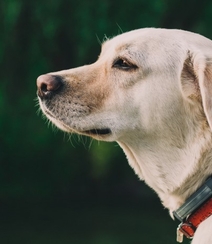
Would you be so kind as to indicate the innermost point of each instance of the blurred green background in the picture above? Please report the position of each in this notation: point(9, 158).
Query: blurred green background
point(53, 188)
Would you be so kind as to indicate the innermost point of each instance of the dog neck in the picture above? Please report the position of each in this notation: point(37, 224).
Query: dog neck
point(173, 173)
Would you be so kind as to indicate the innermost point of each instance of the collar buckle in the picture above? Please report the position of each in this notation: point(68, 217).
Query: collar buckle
point(179, 235)
point(185, 229)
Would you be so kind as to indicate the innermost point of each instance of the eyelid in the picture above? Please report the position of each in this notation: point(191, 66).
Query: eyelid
point(129, 65)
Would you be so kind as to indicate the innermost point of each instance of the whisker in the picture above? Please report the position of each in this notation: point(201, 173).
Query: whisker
point(120, 29)
point(98, 40)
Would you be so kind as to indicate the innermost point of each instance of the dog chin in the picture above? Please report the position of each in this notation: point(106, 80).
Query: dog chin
point(59, 124)
point(99, 134)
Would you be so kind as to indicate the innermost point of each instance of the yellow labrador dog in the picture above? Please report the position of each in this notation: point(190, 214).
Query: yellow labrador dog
point(151, 91)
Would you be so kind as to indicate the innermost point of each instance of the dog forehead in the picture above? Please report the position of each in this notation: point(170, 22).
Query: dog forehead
point(124, 41)
point(156, 39)
point(147, 40)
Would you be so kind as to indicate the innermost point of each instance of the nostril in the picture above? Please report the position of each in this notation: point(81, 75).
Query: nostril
point(47, 84)
point(44, 88)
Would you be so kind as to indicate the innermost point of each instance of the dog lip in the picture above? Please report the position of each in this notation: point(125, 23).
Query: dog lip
point(49, 113)
point(104, 131)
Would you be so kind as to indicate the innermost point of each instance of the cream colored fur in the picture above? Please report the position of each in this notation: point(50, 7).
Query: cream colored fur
point(159, 110)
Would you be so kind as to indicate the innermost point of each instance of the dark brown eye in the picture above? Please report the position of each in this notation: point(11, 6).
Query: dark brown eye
point(123, 64)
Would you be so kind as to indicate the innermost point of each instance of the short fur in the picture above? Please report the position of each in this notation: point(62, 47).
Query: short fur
point(159, 109)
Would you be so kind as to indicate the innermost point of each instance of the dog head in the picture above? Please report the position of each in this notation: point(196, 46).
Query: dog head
point(134, 85)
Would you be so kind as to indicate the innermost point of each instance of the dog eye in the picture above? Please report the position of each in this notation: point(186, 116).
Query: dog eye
point(123, 64)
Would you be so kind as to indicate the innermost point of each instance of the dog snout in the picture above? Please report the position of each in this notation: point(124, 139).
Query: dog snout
point(47, 85)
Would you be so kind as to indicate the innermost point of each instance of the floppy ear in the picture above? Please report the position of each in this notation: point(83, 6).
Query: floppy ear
point(196, 81)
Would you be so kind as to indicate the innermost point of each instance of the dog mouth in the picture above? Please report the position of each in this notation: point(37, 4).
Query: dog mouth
point(91, 132)
point(100, 132)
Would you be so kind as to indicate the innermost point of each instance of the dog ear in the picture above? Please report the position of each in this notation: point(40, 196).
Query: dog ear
point(196, 82)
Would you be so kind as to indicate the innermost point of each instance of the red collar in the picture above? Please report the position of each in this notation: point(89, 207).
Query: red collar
point(190, 224)
point(196, 209)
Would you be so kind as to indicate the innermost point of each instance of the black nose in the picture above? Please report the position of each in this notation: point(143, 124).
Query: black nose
point(47, 85)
